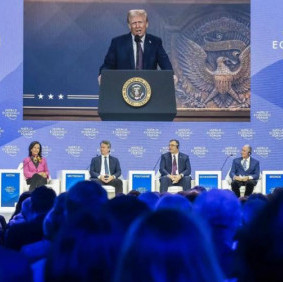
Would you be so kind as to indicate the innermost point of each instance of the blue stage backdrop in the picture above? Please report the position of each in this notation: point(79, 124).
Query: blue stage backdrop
point(138, 145)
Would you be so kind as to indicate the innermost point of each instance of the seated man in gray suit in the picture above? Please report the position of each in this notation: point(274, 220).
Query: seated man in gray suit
point(244, 172)
point(175, 168)
point(105, 169)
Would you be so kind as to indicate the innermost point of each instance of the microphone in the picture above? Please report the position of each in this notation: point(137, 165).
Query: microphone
point(230, 155)
point(157, 163)
point(137, 38)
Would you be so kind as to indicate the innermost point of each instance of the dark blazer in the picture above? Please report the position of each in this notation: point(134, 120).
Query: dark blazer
point(114, 167)
point(121, 54)
point(184, 165)
point(237, 169)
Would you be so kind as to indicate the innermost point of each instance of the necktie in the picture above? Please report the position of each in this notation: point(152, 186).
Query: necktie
point(106, 166)
point(245, 165)
point(139, 63)
point(174, 166)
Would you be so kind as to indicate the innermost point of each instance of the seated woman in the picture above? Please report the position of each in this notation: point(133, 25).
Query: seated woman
point(35, 167)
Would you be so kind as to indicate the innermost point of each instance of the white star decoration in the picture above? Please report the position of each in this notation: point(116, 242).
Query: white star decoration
point(51, 96)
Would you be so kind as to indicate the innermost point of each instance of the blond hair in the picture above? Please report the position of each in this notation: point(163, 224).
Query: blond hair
point(133, 13)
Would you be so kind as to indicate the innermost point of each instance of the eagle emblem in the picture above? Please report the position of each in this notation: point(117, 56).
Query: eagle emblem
point(227, 81)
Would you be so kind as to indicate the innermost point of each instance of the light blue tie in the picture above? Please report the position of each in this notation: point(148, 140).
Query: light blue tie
point(245, 165)
point(106, 166)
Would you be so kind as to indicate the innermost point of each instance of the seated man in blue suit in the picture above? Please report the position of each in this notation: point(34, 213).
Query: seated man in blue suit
point(175, 168)
point(124, 52)
point(244, 172)
point(105, 169)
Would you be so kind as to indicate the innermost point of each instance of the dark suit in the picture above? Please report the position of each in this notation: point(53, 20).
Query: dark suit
point(184, 167)
point(237, 170)
point(114, 168)
point(121, 54)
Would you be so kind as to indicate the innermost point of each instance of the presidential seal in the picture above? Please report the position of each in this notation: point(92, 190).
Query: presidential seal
point(136, 91)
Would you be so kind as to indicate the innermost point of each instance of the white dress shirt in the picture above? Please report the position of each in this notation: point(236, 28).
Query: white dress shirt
point(102, 169)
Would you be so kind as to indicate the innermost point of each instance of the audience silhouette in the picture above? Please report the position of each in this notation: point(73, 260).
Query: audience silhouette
point(194, 235)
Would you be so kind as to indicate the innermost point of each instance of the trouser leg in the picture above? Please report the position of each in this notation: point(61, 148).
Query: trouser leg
point(116, 183)
point(36, 181)
point(165, 182)
point(250, 184)
point(236, 187)
point(185, 182)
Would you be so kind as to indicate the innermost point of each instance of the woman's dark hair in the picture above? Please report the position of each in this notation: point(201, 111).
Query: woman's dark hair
point(31, 145)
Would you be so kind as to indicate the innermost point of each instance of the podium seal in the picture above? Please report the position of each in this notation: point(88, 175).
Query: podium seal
point(136, 92)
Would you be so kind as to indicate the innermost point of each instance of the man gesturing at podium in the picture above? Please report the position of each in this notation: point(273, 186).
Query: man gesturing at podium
point(105, 169)
point(137, 49)
point(175, 168)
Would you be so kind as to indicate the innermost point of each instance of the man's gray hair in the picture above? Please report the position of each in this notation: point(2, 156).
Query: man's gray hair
point(249, 147)
point(133, 13)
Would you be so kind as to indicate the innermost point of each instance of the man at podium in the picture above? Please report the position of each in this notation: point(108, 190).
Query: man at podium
point(137, 49)
point(105, 169)
point(175, 168)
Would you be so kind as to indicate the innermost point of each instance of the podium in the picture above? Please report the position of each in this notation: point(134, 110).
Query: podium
point(137, 95)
